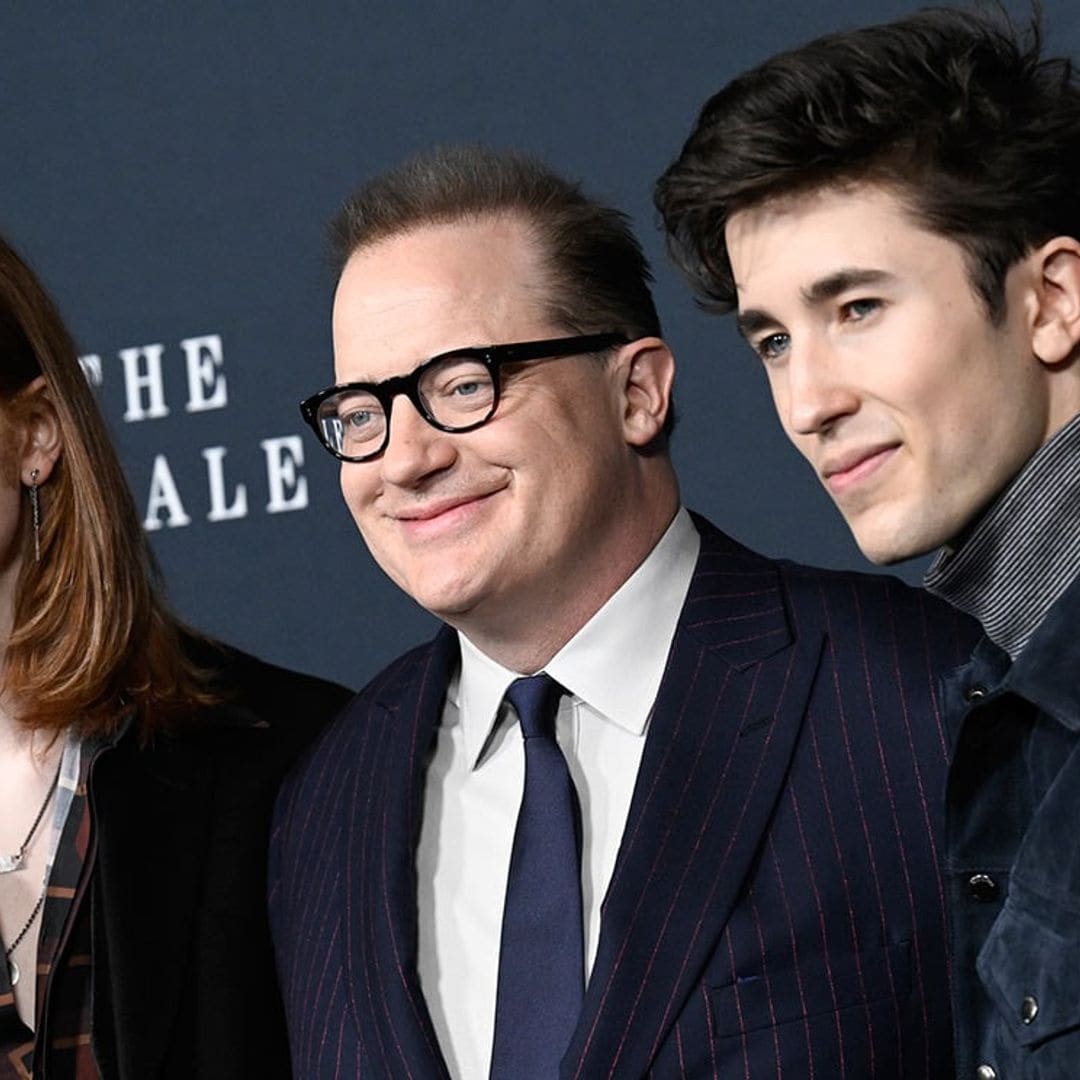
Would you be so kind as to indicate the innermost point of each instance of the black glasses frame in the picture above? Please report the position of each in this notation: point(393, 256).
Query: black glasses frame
point(491, 356)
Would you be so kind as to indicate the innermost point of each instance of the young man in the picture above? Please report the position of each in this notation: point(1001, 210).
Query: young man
point(722, 857)
point(894, 213)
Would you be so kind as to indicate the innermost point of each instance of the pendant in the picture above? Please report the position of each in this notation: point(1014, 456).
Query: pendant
point(10, 862)
point(13, 971)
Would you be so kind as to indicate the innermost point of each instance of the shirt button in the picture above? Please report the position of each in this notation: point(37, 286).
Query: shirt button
point(982, 887)
point(986, 1072)
point(974, 693)
point(1029, 1008)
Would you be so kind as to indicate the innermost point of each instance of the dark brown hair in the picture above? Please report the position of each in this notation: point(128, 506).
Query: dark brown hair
point(599, 276)
point(953, 110)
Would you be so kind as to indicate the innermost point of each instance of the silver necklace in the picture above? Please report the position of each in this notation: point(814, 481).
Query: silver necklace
point(14, 862)
point(13, 968)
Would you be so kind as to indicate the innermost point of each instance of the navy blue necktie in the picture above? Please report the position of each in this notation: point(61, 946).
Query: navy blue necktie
point(541, 957)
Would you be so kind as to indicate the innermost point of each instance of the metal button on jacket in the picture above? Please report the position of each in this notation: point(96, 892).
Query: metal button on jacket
point(986, 1072)
point(974, 693)
point(982, 887)
point(1029, 1008)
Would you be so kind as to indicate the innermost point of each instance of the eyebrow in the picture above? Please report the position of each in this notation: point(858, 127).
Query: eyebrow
point(832, 285)
point(818, 292)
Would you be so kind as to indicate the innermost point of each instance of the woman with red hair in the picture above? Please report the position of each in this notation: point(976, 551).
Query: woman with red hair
point(138, 762)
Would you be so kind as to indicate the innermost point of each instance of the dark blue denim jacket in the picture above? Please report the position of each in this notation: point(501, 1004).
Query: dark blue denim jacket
point(1013, 854)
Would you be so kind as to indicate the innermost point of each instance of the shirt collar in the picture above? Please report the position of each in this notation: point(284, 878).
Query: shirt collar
point(480, 687)
point(614, 664)
point(1024, 551)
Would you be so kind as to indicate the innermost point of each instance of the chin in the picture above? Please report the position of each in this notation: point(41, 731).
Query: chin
point(446, 601)
point(886, 557)
point(887, 550)
point(885, 542)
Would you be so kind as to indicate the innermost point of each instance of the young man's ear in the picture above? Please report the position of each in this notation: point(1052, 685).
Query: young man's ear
point(1055, 332)
point(648, 374)
point(40, 440)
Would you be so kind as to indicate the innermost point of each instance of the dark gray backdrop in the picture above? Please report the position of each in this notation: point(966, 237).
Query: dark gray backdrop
point(169, 169)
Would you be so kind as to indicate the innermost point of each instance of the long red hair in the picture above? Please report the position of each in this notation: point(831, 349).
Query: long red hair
point(91, 636)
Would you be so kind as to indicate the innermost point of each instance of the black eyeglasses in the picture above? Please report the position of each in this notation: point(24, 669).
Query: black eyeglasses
point(455, 391)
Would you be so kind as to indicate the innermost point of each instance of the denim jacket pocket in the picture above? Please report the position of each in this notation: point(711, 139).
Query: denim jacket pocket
point(1030, 967)
point(818, 985)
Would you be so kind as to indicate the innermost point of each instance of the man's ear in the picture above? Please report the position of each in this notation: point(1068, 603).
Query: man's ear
point(40, 440)
point(648, 372)
point(1055, 332)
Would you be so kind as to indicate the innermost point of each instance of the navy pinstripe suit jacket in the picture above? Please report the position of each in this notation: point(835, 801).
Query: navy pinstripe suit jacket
point(777, 908)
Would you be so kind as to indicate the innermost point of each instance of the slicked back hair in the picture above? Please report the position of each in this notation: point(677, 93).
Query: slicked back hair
point(957, 112)
point(598, 277)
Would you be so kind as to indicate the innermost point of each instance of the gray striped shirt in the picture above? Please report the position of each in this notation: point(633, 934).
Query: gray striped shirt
point(1025, 550)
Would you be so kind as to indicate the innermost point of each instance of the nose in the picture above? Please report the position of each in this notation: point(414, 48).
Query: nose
point(415, 449)
point(817, 392)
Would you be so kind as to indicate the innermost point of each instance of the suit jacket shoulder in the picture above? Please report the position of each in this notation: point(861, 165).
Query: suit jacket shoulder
point(294, 707)
point(184, 982)
point(898, 624)
point(885, 615)
point(415, 681)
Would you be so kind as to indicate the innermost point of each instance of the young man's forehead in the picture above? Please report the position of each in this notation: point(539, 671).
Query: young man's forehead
point(851, 228)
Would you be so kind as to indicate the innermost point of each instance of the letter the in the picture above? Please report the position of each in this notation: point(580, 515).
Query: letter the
point(215, 474)
point(288, 488)
point(206, 382)
point(136, 381)
point(164, 497)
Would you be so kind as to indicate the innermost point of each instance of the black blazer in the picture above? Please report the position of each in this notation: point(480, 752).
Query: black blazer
point(183, 976)
point(777, 907)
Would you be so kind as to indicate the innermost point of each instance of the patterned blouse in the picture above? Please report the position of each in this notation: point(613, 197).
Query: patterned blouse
point(63, 957)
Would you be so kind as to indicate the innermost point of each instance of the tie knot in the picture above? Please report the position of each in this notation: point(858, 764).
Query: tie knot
point(535, 700)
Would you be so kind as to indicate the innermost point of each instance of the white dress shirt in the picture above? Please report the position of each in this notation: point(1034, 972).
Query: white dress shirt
point(611, 670)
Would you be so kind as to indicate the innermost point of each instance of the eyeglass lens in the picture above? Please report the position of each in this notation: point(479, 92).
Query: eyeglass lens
point(456, 392)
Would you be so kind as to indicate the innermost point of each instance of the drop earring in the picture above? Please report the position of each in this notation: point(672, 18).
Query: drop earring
point(35, 513)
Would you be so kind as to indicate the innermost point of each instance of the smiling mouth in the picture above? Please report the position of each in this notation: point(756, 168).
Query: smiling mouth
point(850, 472)
point(431, 511)
point(444, 515)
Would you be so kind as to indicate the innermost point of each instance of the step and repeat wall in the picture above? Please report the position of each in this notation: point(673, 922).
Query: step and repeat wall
point(169, 170)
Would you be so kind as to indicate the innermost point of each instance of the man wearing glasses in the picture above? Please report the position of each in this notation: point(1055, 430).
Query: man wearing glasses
point(649, 803)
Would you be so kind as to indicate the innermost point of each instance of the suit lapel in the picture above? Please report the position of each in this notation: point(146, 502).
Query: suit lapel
point(721, 734)
point(381, 932)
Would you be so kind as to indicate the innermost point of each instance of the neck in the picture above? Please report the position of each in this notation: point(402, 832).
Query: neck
point(524, 633)
point(18, 740)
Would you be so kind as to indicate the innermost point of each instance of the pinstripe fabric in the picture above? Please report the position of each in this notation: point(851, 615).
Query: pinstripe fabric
point(776, 909)
point(1025, 550)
